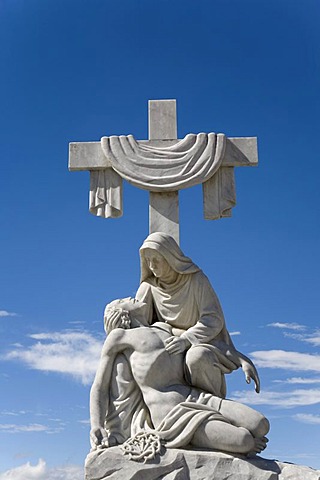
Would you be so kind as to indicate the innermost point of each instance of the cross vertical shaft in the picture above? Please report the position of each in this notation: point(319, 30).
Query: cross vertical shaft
point(163, 207)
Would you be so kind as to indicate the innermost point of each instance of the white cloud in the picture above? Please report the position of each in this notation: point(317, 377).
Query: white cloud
point(42, 472)
point(71, 352)
point(4, 313)
point(299, 380)
point(307, 418)
point(290, 326)
point(235, 333)
point(286, 360)
point(313, 338)
point(32, 427)
point(85, 422)
point(7, 412)
point(290, 399)
point(12, 428)
point(25, 472)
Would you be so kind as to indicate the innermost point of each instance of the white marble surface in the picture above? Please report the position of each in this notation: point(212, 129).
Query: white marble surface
point(164, 215)
point(165, 379)
point(163, 207)
point(162, 119)
point(192, 465)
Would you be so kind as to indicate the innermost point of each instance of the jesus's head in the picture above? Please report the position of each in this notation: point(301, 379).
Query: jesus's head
point(124, 313)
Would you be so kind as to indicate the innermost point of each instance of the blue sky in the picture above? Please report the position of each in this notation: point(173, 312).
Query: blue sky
point(74, 70)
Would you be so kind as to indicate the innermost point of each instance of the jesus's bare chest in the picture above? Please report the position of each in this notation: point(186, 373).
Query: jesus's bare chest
point(149, 359)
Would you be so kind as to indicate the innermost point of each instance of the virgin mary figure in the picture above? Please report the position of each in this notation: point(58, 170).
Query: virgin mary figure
point(180, 296)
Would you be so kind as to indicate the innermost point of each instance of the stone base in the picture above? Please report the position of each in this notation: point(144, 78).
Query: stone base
point(174, 464)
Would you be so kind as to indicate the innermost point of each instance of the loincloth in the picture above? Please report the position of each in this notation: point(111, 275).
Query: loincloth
point(179, 425)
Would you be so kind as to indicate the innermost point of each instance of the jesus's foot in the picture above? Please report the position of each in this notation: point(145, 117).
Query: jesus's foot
point(259, 445)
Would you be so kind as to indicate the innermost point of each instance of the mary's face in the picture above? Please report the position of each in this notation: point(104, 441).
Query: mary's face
point(157, 263)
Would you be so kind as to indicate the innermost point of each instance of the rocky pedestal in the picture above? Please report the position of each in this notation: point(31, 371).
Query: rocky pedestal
point(174, 464)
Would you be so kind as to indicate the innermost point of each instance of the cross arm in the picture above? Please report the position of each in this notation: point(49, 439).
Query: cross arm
point(240, 151)
point(87, 156)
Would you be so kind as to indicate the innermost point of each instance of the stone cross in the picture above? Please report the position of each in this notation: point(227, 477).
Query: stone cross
point(163, 207)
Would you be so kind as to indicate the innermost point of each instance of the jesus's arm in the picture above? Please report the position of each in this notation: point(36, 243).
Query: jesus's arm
point(99, 395)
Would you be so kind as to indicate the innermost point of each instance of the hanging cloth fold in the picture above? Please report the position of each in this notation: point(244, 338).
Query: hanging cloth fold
point(189, 162)
point(195, 159)
point(105, 198)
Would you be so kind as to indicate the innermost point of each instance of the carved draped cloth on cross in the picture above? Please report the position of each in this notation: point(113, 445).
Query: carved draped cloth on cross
point(194, 160)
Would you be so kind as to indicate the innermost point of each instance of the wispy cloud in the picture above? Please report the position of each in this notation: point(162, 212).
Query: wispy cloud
point(13, 413)
point(299, 380)
point(85, 422)
point(33, 427)
point(4, 313)
point(290, 399)
point(42, 472)
point(313, 338)
point(71, 352)
point(287, 360)
point(235, 333)
point(307, 418)
point(289, 326)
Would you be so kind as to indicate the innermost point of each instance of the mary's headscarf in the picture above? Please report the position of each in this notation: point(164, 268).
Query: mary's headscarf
point(170, 250)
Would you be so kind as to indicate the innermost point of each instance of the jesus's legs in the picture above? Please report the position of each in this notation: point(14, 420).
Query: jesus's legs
point(245, 434)
point(217, 435)
point(243, 416)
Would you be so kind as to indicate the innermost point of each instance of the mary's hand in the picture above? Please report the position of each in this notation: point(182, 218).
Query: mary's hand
point(98, 438)
point(250, 372)
point(176, 345)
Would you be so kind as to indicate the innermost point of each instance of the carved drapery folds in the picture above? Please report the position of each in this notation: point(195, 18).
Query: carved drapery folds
point(194, 160)
point(105, 197)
